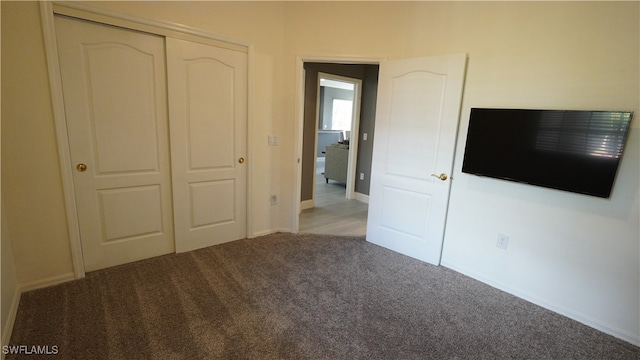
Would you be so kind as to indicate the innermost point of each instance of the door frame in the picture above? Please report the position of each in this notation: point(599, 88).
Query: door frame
point(109, 17)
point(299, 123)
point(355, 126)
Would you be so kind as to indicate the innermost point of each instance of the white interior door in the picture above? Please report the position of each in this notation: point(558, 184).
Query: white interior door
point(115, 101)
point(208, 121)
point(416, 127)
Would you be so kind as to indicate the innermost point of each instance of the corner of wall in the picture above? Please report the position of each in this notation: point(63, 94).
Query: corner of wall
point(10, 287)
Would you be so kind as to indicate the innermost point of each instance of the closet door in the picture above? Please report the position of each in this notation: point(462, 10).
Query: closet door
point(208, 121)
point(115, 102)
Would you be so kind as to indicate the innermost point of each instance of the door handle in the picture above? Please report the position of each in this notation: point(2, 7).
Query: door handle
point(241, 160)
point(442, 176)
point(81, 167)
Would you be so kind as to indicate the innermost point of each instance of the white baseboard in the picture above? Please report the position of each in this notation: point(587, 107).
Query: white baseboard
point(269, 232)
point(262, 233)
point(307, 204)
point(361, 197)
point(11, 318)
point(50, 281)
point(577, 316)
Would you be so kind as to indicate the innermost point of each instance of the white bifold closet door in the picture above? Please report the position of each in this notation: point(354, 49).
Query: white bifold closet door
point(136, 196)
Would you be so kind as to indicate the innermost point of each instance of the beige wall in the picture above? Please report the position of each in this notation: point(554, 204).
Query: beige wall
point(31, 183)
point(577, 55)
point(9, 280)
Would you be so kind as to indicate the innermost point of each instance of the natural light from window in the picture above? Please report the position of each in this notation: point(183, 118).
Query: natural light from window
point(342, 110)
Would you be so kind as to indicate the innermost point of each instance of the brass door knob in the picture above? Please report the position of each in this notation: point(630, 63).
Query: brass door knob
point(241, 160)
point(442, 176)
point(81, 167)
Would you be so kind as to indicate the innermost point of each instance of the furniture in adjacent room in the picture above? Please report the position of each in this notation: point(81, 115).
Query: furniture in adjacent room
point(336, 162)
point(326, 138)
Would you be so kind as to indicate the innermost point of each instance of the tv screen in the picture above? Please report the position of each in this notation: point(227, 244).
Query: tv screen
point(572, 150)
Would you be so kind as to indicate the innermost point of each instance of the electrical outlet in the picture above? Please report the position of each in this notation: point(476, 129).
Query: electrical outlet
point(274, 199)
point(503, 241)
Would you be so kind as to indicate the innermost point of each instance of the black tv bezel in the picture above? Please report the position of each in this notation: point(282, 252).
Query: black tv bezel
point(603, 194)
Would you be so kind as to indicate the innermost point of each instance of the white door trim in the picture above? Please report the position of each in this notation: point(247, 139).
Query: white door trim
point(60, 119)
point(164, 28)
point(355, 126)
point(90, 12)
point(299, 116)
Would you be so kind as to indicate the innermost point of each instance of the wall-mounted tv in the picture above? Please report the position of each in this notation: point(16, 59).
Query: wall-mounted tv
point(572, 150)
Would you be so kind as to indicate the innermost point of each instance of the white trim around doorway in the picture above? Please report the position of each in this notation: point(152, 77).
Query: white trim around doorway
point(299, 116)
point(355, 126)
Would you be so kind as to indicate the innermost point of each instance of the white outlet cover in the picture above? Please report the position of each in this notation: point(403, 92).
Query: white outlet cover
point(503, 241)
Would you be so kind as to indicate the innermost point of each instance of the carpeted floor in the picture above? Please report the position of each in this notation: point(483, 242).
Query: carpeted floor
point(287, 296)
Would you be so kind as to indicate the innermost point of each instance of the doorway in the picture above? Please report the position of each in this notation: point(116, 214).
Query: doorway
point(338, 117)
point(330, 202)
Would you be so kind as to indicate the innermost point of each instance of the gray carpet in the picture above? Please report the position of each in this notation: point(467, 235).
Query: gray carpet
point(287, 296)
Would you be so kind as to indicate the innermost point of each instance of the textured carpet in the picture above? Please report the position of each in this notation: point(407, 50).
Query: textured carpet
point(287, 296)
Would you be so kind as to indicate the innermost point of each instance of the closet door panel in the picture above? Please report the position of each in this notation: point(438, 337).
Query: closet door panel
point(208, 121)
point(114, 92)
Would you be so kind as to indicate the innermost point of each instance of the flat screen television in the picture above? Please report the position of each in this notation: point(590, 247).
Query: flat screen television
point(571, 150)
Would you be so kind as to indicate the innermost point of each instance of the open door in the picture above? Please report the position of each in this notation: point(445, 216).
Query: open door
point(416, 128)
